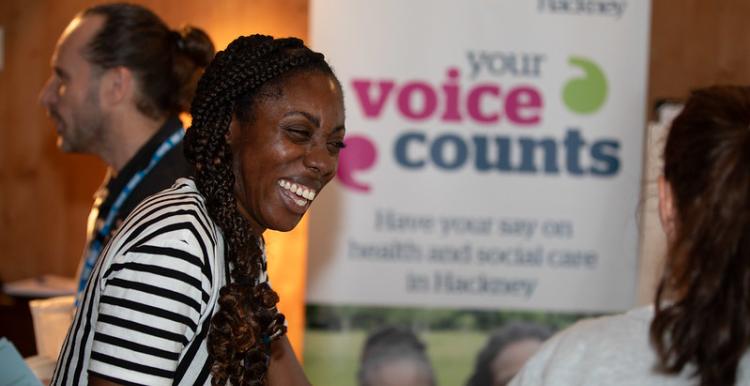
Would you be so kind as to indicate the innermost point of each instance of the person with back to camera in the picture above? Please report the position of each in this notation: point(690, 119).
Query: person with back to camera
point(698, 330)
point(120, 78)
point(394, 356)
point(506, 351)
point(180, 295)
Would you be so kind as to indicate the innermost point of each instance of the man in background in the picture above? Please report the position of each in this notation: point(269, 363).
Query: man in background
point(120, 79)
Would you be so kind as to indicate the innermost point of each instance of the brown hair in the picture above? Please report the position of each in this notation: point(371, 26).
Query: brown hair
point(167, 63)
point(234, 82)
point(703, 300)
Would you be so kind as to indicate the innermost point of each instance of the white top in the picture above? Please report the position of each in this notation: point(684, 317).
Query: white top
point(146, 312)
point(611, 350)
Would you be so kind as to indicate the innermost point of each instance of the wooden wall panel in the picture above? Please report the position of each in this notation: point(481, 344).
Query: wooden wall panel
point(697, 43)
point(44, 194)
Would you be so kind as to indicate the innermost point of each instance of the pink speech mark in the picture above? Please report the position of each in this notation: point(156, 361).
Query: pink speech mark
point(360, 154)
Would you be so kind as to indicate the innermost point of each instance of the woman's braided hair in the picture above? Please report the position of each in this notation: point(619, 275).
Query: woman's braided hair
point(247, 320)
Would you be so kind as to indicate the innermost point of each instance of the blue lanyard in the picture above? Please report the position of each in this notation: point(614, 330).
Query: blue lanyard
point(95, 247)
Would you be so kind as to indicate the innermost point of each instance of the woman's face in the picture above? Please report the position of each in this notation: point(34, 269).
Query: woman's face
point(289, 152)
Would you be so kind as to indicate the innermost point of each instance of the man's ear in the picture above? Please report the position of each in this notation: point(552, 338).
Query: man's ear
point(117, 85)
point(666, 208)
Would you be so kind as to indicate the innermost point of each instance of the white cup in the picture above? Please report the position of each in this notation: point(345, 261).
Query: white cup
point(52, 318)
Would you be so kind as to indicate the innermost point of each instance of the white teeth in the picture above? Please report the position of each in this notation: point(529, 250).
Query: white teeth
point(299, 190)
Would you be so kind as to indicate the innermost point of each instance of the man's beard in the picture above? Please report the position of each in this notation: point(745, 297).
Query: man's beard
point(86, 132)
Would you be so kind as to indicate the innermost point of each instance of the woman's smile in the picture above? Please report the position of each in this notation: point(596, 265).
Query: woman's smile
point(301, 196)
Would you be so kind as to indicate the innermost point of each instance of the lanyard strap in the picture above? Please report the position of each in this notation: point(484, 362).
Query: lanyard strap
point(95, 246)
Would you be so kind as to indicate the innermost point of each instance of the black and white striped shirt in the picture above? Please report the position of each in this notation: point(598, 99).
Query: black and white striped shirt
point(145, 314)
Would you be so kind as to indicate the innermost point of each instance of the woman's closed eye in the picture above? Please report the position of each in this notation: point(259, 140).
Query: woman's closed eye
point(335, 146)
point(297, 133)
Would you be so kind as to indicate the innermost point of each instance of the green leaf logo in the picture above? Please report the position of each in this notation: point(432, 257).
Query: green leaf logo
point(585, 94)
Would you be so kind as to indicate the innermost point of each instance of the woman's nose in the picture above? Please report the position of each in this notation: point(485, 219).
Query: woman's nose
point(320, 159)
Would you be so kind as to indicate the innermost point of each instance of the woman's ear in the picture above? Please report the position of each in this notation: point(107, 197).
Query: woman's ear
point(666, 207)
point(234, 133)
point(234, 140)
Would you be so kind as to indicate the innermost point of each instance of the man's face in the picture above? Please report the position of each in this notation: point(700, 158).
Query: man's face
point(289, 152)
point(71, 95)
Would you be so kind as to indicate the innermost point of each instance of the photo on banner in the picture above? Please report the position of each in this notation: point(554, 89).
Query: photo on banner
point(492, 169)
point(453, 340)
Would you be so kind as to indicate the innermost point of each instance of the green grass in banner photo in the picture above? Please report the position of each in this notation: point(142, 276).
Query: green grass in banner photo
point(335, 336)
point(332, 358)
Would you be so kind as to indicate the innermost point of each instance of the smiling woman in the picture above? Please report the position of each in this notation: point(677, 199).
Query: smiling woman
point(181, 296)
point(285, 115)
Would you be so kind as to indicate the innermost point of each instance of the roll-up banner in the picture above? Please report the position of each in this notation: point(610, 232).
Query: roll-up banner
point(493, 154)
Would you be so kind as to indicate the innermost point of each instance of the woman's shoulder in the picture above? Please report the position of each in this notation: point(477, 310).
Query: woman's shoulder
point(598, 337)
point(614, 326)
point(180, 203)
point(177, 217)
point(592, 350)
point(183, 191)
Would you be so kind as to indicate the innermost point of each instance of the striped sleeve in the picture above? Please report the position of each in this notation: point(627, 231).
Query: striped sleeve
point(154, 296)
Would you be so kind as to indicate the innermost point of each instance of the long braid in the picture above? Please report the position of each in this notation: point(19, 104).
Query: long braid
point(239, 339)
